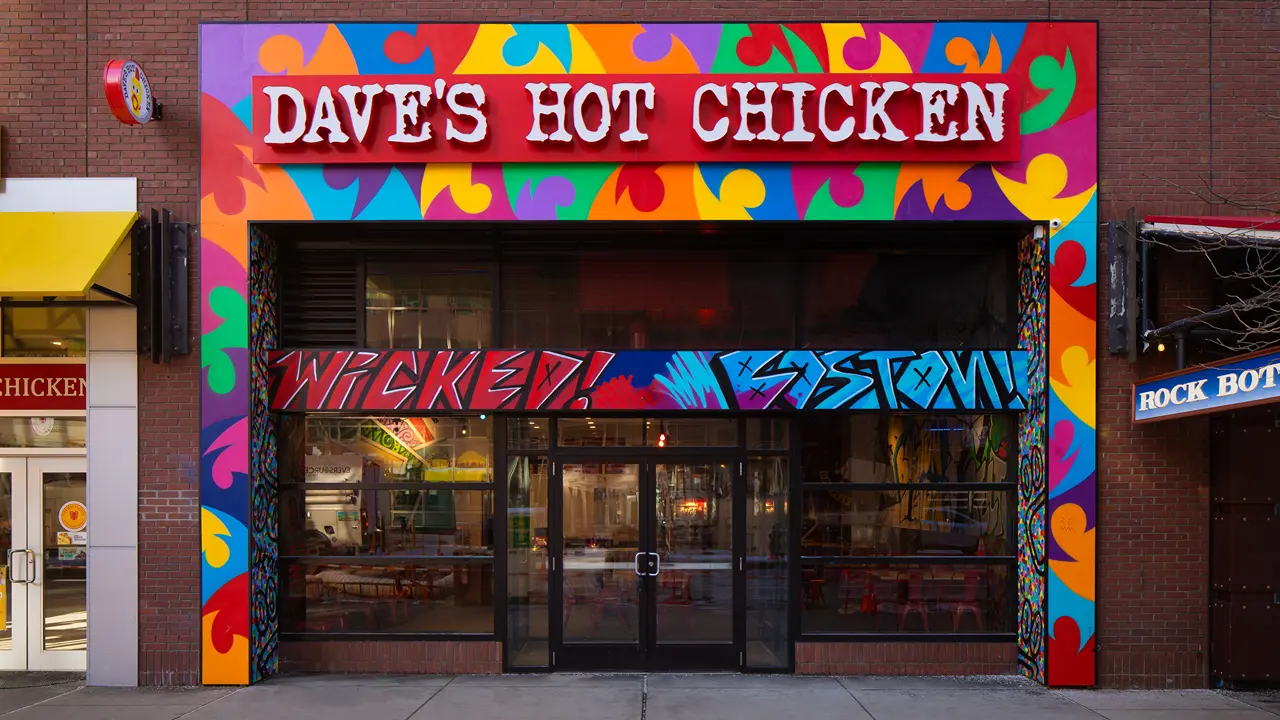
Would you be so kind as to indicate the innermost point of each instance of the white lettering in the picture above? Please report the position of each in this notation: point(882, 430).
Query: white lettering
point(846, 128)
point(746, 109)
point(637, 92)
point(1173, 396)
point(325, 118)
point(36, 391)
point(1195, 391)
point(482, 123)
point(935, 98)
point(540, 109)
point(1144, 401)
point(1270, 372)
point(876, 109)
point(992, 114)
point(1249, 380)
point(798, 132)
point(1227, 385)
point(721, 127)
point(360, 118)
point(277, 135)
point(411, 99)
point(1162, 397)
point(606, 117)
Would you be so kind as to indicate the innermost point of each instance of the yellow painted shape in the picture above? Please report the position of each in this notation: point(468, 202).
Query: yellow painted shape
point(57, 253)
point(277, 199)
point(485, 55)
point(1079, 391)
point(1068, 528)
point(1037, 198)
point(891, 60)
point(231, 668)
point(283, 54)
point(212, 531)
point(740, 190)
point(472, 199)
point(585, 61)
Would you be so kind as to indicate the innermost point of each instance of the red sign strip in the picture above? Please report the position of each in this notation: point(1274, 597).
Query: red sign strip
point(658, 118)
point(42, 387)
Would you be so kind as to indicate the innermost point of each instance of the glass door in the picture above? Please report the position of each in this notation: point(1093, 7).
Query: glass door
point(646, 565)
point(44, 533)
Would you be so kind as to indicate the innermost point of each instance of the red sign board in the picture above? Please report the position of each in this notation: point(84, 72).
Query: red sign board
point(656, 118)
point(42, 387)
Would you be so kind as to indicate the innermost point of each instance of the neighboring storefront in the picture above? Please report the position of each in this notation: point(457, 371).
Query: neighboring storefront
point(684, 346)
point(68, 373)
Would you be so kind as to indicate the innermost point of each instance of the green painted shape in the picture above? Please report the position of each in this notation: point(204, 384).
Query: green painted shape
point(1060, 81)
point(806, 60)
point(727, 54)
point(879, 181)
point(587, 180)
point(232, 334)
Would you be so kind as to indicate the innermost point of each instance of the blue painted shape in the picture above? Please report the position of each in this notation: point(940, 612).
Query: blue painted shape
point(367, 46)
point(968, 380)
point(642, 366)
point(395, 201)
point(325, 201)
point(244, 111)
point(692, 383)
point(753, 383)
point(212, 578)
point(1084, 445)
point(1064, 602)
point(887, 363)
point(853, 385)
point(521, 49)
point(807, 371)
point(923, 378)
point(779, 192)
point(1080, 229)
point(1008, 36)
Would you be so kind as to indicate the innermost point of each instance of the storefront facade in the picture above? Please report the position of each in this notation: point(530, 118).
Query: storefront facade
point(545, 347)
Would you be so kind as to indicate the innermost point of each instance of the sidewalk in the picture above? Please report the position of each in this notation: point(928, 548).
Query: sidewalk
point(628, 697)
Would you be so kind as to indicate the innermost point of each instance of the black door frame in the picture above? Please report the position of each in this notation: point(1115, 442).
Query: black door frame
point(647, 653)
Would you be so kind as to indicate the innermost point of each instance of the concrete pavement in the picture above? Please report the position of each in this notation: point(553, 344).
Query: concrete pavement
point(630, 697)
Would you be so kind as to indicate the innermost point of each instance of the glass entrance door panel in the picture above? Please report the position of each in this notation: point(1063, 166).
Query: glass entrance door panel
point(13, 626)
point(58, 531)
point(601, 518)
point(695, 593)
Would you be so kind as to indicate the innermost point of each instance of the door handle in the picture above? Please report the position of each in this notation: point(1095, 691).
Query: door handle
point(657, 565)
point(26, 578)
point(636, 564)
point(31, 565)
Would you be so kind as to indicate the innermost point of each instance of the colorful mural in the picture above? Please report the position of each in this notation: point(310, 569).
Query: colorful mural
point(1054, 179)
point(753, 380)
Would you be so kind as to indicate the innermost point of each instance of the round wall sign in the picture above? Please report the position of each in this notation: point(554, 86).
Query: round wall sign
point(43, 426)
point(128, 92)
point(73, 517)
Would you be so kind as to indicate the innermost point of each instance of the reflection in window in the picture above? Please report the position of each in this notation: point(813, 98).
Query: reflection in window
point(528, 524)
point(599, 432)
point(441, 305)
point(42, 332)
point(347, 521)
point(868, 448)
point(396, 449)
point(916, 598)
point(919, 521)
point(42, 432)
point(766, 570)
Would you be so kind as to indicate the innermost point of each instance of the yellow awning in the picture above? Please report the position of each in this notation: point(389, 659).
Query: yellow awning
point(57, 253)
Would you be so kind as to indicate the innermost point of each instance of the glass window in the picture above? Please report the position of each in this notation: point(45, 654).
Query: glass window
point(915, 598)
point(921, 521)
point(766, 570)
point(873, 448)
point(647, 298)
point(528, 433)
point(397, 449)
point(916, 300)
point(768, 433)
point(528, 631)
point(599, 432)
point(42, 432)
point(359, 521)
point(440, 305)
point(42, 332)
point(409, 597)
point(698, 432)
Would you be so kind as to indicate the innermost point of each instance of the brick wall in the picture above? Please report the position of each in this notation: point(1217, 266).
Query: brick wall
point(913, 658)
point(1188, 100)
point(393, 657)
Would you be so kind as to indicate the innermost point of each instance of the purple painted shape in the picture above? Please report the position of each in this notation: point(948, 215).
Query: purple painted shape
point(235, 460)
point(1082, 495)
point(912, 38)
point(215, 407)
point(807, 179)
point(1061, 454)
point(229, 55)
point(541, 204)
point(654, 44)
point(443, 206)
point(1075, 141)
point(412, 175)
point(987, 201)
point(371, 177)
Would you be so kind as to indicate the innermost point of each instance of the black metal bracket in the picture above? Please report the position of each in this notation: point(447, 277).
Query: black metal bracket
point(160, 273)
point(118, 296)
